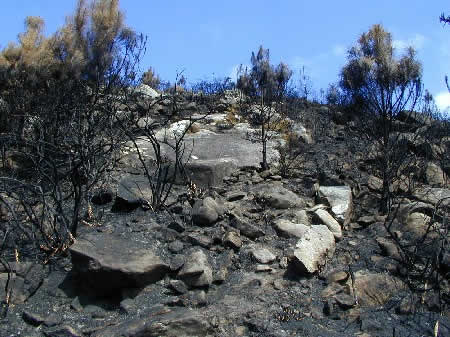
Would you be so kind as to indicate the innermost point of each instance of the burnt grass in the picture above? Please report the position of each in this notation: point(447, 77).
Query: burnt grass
point(275, 303)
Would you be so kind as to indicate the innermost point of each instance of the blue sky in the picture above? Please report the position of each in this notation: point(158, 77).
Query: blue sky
point(214, 37)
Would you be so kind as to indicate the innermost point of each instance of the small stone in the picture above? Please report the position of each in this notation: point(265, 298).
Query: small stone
point(63, 331)
point(197, 239)
point(196, 271)
point(265, 174)
point(263, 256)
point(127, 306)
point(177, 262)
point(176, 246)
point(76, 305)
point(284, 262)
point(235, 196)
point(331, 290)
point(340, 276)
point(178, 286)
point(52, 320)
point(32, 318)
point(177, 226)
point(325, 218)
point(261, 268)
point(278, 284)
point(345, 301)
point(233, 240)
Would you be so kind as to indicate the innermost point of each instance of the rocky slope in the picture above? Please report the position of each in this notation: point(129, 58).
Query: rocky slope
point(252, 254)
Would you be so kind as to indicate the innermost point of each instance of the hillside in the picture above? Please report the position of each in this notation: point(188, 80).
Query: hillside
point(244, 252)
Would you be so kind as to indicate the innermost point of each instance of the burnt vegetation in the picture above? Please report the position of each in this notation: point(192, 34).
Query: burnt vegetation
point(75, 103)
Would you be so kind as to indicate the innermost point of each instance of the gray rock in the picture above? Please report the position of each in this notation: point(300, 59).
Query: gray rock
point(209, 172)
point(206, 212)
point(325, 218)
point(302, 133)
point(107, 264)
point(25, 280)
point(288, 229)
point(249, 230)
point(374, 290)
point(198, 239)
point(178, 286)
point(206, 147)
point(181, 322)
point(146, 91)
point(263, 255)
point(433, 195)
point(300, 216)
point(434, 175)
point(277, 196)
point(313, 249)
point(340, 200)
point(232, 239)
point(63, 331)
point(132, 192)
point(32, 318)
point(196, 271)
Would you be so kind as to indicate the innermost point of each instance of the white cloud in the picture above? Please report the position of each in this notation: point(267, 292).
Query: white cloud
point(339, 50)
point(442, 100)
point(417, 42)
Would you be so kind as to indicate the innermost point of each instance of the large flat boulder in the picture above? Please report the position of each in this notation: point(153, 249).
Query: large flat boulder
point(339, 198)
point(313, 249)
point(213, 146)
point(107, 264)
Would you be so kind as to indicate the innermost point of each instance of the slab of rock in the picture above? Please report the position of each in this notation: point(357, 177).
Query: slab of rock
point(146, 91)
point(197, 271)
point(288, 229)
point(374, 289)
point(232, 239)
point(325, 218)
point(63, 331)
point(132, 192)
point(25, 280)
point(434, 175)
point(375, 183)
point(433, 195)
point(210, 146)
point(206, 212)
point(263, 255)
point(276, 196)
point(106, 264)
point(165, 323)
point(340, 200)
point(313, 249)
point(417, 224)
point(245, 228)
point(209, 172)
